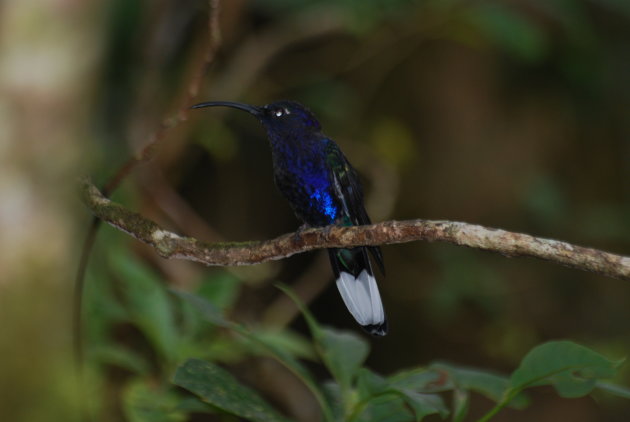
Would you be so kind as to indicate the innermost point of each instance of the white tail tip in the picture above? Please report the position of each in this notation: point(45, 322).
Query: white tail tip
point(363, 300)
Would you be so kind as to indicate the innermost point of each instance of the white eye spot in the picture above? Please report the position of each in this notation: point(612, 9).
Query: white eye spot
point(278, 113)
point(286, 111)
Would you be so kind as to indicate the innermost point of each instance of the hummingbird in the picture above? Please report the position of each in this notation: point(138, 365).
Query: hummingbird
point(323, 189)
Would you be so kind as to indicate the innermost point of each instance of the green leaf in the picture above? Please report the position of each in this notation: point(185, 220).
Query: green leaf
point(143, 402)
point(372, 387)
point(393, 405)
point(194, 405)
point(486, 383)
point(219, 388)
point(121, 357)
point(570, 386)
point(269, 346)
point(370, 384)
point(148, 303)
point(221, 289)
point(316, 330)
point(332, 395)
point(390, 408)
point(281, 355)
point(210, 312)
point(572, 369)
point(422, 380)
point(285, 357)
point(343, 354)
point(290, 342)
point(424, 404)
point(101, 301)
point(461, 403)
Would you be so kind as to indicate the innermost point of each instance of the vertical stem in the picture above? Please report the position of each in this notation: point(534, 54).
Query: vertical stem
point(507, 398)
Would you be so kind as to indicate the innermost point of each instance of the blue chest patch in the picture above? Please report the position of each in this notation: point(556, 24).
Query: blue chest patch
point(324, 203)
point(303, 178)
point(313, 179)
point(311, 194)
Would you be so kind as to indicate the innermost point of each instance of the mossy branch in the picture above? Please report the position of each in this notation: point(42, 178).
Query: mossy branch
point(510, 244)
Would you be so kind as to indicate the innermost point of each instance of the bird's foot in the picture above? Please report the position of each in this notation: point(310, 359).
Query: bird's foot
point(328, 229)
point(297, 235)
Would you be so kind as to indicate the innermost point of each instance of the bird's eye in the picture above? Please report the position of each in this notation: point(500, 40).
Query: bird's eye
point(278, 113)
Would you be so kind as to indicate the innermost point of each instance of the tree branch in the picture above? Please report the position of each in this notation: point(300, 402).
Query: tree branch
point(171, 245)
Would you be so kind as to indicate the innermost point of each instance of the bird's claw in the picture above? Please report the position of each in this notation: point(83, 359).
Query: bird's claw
point(297, 235)
point(327, 230)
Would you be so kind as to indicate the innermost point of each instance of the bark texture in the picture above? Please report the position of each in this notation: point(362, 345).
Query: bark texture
point(510, 244)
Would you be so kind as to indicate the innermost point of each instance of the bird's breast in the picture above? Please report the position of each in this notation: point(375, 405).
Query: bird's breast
point(305, 182)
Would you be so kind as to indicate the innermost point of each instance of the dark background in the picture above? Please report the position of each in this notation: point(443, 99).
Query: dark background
point(510, 114)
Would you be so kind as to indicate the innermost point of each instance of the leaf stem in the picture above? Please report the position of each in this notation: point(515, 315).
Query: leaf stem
point(508, 396)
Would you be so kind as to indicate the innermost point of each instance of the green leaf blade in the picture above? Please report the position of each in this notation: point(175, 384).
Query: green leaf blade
point(274, 346)
point(343, 354)
point(148, 304)
point(422, 380)
point(424, 404)
point(208, 310)
point(313, 325)
point(144, 402)
point(374, 389)
point(484, 382)
point(219, 388)
point(461, 403)
point(571, 368)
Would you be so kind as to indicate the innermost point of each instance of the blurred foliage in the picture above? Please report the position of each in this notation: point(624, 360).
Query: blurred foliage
point(355, 393)
point(511, 114)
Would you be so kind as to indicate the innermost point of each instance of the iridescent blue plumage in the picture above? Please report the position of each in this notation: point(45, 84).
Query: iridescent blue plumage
point(323, 188)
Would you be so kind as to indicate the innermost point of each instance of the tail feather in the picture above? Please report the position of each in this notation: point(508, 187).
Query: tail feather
point(358, 289)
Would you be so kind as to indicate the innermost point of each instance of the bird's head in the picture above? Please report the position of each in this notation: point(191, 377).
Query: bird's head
point(282, 118)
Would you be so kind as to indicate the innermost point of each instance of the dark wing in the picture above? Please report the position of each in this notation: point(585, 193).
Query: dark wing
point(349, 192)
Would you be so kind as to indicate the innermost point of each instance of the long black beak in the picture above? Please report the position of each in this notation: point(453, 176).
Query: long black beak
point(246, 107)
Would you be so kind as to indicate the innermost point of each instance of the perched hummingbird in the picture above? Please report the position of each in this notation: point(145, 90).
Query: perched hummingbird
point(323, 188)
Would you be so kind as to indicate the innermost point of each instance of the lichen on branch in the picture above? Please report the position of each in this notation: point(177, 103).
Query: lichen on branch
point(511, 244)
